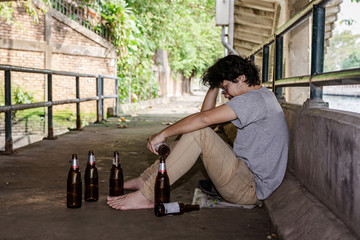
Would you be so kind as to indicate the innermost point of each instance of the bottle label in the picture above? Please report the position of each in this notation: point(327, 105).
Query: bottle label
point(116, 161)
point(173, 207)
point(92, 159)
point(74, 164)
point(162, 167)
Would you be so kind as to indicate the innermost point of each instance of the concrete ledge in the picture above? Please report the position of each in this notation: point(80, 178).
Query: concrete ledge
point(297, 214)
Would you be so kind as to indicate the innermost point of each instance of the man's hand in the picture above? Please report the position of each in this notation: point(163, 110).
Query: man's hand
point(155, 140)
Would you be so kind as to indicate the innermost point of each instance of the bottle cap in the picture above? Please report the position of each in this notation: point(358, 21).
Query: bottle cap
point(116, 159)
point(74, 161)
point(91, 158)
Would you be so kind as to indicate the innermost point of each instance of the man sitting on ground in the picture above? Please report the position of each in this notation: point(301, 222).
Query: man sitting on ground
point(244, 174)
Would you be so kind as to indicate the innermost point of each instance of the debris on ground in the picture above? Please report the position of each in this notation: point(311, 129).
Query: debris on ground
point(167, 123)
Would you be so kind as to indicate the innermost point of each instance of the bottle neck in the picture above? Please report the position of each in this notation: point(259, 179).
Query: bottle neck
point(91, 160)
point(162, 149)
point(74, 163)
point(116, 161)
point(162, 166)
point(190, 207)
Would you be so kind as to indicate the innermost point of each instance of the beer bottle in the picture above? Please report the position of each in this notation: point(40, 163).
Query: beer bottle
point(91, 179)
point(74, 188)
point(174, 208)
point(116, 181)
point(162, 184)
point(162, 149)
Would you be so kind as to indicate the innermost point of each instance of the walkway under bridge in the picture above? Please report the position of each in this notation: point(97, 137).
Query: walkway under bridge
point(33, 187)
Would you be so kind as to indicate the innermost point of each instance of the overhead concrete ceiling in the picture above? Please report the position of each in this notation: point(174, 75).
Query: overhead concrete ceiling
point(256, 20)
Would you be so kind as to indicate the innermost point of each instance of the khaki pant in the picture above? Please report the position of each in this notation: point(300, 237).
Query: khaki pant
point(231, 177)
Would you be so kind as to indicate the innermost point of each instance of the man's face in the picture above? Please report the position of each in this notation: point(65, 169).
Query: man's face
point(225, 87)
point(232, 89)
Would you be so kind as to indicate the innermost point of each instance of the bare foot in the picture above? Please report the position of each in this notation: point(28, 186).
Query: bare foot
point(134, 184)
point(134, 200)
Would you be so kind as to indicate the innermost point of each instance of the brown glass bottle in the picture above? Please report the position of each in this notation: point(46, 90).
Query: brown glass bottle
point(174, 208)
point(162, 184)
point(116, 181)
point(162, 149)
point(74, 184)
point(91, 179)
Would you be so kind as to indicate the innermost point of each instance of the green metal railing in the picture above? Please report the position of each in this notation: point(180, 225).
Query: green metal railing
point(99, 97)
point(317, 78)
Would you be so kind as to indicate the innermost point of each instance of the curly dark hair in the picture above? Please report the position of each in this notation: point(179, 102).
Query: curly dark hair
point(229, 68)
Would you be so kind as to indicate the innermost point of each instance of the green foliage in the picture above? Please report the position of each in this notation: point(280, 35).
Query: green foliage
point(353, 61)
point(133, 49)
point(185, 29)
point(347, 22)
point(22, 97)
point(7, 10)
point(18, 96)
point(342, 45)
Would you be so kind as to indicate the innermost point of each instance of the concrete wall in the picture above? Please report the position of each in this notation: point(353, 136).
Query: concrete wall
point(56, 43)
point(325, 158)
point(298, 45)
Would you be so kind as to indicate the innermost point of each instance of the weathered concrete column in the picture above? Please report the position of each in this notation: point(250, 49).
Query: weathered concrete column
point(164, 72)
point(298, 46)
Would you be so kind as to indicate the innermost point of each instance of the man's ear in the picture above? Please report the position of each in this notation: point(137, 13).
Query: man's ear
point(241, 78)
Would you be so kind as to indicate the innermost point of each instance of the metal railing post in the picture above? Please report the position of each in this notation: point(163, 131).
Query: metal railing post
point(117, 97)
point(98, 93)
point(78, 118)
point(48, 104)
point(8, 123)
point(102, 98)
point(317, 49)
point(50, 109)
point(265, 64)
point(278, 66)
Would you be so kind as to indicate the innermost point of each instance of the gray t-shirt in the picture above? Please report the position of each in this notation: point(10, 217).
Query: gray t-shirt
point(262, 138)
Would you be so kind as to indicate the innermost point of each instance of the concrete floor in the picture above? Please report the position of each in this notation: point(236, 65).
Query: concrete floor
point(33, 188)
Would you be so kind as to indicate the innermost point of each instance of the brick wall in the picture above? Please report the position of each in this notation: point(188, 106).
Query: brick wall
point(61, 33)
point(24, 28)
point(32, 83)
point(56, 43)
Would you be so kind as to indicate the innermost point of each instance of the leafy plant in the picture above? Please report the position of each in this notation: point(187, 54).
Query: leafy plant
point(342, 45)
point(353, 61)
point(21, 96)
point(185, 29)
point(7, 10)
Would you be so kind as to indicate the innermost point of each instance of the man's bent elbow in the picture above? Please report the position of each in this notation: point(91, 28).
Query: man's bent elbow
point(205, 120)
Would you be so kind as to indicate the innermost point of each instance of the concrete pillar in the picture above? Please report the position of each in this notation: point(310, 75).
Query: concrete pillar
point(164, 72)
point(298, 62)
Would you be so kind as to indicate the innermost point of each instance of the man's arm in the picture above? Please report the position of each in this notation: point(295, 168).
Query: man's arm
point(210, 99)
point(193, 122)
